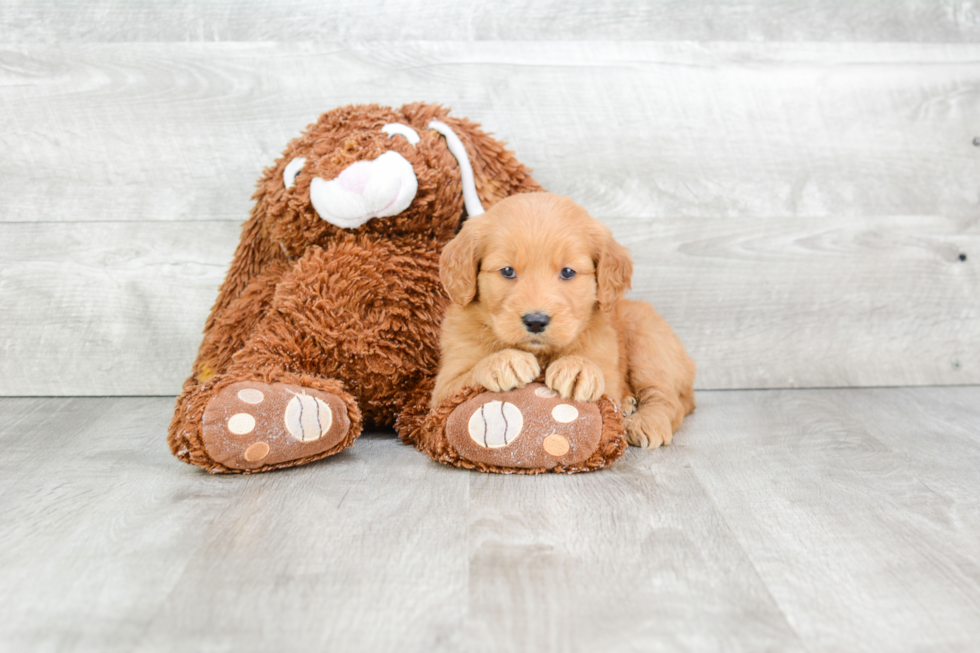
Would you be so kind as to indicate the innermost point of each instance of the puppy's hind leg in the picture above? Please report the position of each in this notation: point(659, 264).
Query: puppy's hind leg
point(660, 373)
point(654, 421)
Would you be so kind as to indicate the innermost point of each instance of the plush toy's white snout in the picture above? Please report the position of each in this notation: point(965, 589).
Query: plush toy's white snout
point(379, 188)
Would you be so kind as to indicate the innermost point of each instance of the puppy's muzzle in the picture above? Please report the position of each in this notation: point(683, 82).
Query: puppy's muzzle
point(536, 322)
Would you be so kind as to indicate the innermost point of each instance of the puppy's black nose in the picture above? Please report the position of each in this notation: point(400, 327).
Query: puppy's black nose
point(536, 322)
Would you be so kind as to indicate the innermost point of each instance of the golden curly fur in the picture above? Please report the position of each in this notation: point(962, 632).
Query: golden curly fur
point(537, 284)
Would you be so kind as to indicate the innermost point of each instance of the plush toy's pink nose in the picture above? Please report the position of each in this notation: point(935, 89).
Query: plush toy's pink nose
point(355, 177)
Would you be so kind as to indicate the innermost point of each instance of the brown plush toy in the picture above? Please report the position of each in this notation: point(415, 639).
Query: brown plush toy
point(328, 319)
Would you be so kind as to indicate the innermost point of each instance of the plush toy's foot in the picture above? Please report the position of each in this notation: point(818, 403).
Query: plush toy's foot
point(529, 430)
point(251, 425)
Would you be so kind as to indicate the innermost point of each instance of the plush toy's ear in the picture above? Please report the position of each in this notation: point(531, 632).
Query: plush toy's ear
point(471, 199)
point(614, 270)
point(496, 171)
point(460, 263)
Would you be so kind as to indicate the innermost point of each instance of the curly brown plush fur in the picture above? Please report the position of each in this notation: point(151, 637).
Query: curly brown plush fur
point(351, 312)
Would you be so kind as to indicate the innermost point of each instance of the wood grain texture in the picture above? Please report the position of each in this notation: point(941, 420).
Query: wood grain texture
point(820, 302)
point(170, 131)
point(106, 308)
point(850, 486)
point(796, 520)
point(797, 211)
point(636, 558)
point(109, 544)
point(117, 308)
point(48, 21)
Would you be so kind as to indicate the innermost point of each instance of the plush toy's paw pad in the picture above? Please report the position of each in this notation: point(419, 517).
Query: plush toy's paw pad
point(249, 424)
point(529, 428)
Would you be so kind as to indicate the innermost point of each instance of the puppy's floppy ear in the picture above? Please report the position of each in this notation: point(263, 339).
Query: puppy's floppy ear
point(460, 263)
point(614, 271)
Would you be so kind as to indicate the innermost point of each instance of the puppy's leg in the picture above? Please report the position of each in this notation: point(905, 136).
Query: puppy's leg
point(651, 425)
point(661, 376)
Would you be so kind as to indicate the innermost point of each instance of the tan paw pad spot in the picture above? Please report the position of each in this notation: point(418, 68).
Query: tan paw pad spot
point(241, 423)
point(545, 392)
point(555, 445)
point(251, 396)
point(496, 424)
point(256, 452)
point(564, 413)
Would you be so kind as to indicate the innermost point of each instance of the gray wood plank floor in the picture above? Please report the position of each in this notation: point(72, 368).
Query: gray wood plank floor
point(816, 520)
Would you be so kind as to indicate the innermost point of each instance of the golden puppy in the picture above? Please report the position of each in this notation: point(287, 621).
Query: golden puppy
point(537, 283)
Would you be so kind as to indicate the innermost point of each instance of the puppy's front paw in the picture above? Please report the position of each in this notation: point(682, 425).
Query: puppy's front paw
point(648, 429)
point(575, 377)
point(506, 370)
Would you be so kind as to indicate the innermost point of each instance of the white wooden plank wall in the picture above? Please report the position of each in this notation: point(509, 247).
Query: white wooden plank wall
point(798, 181)
point(48, 21)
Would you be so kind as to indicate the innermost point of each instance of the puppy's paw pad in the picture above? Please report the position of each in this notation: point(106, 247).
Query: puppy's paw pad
point(530, 428)
point(250, 424)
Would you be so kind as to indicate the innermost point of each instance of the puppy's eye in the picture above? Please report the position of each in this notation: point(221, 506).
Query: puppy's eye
point(508, 273)
point(567, 273)
point(292, 170)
